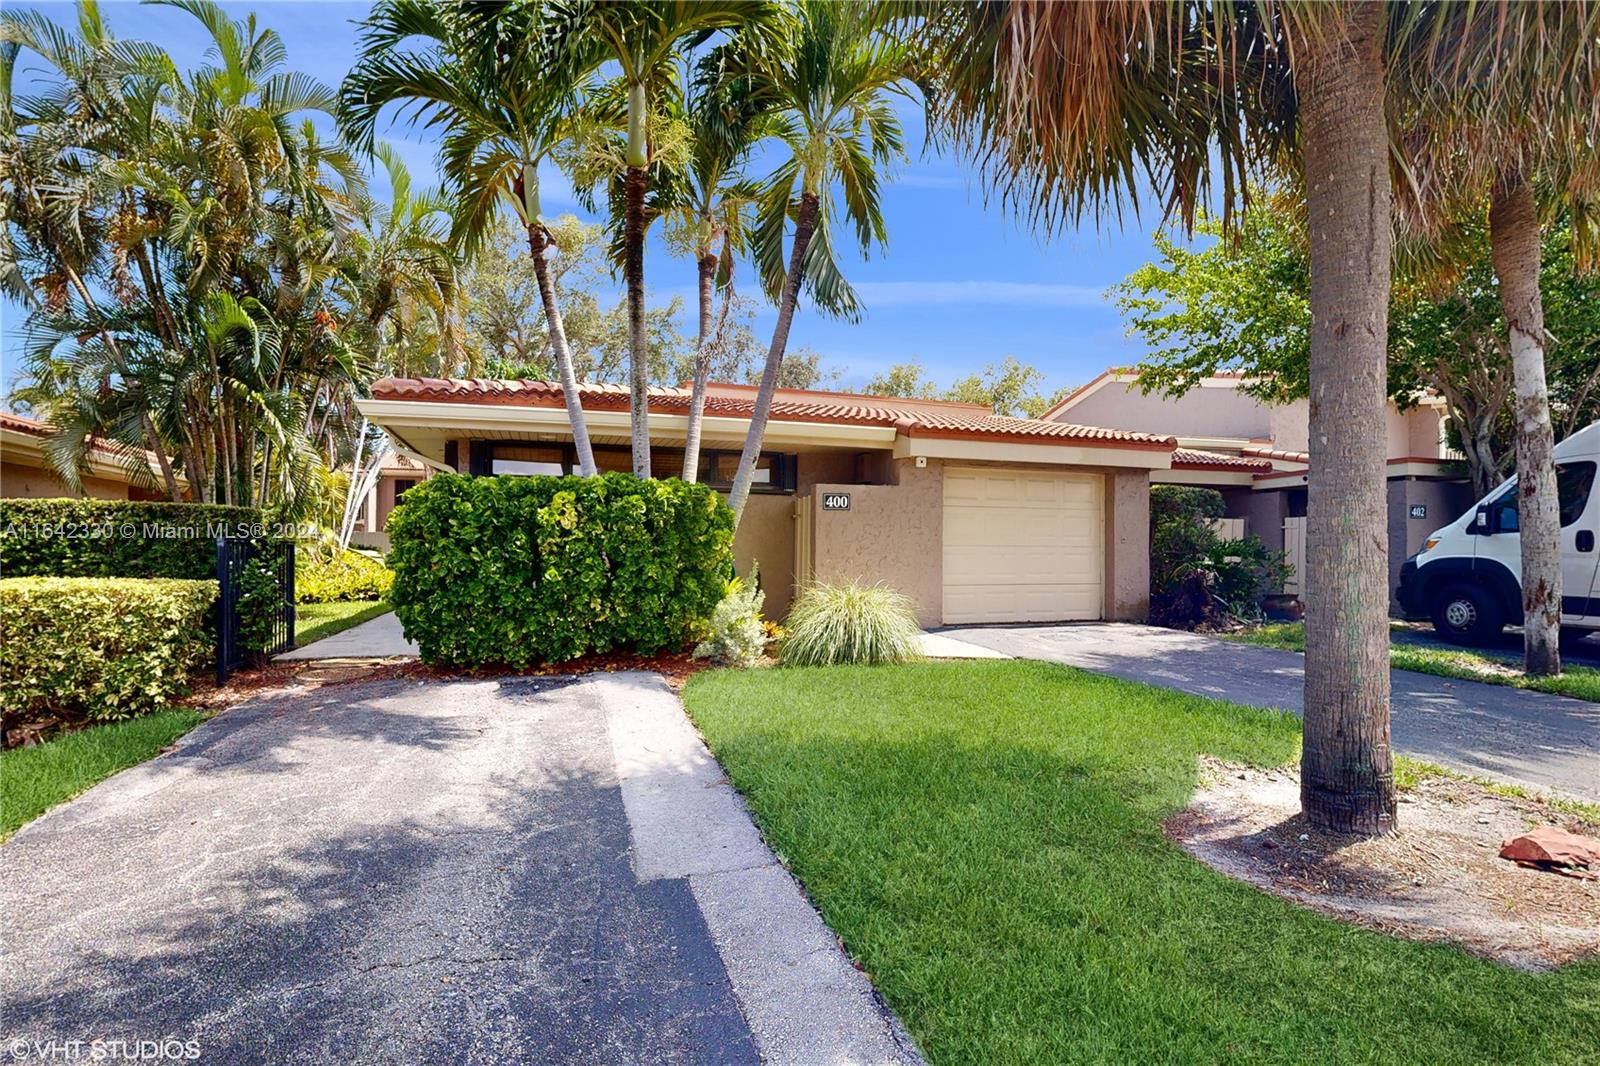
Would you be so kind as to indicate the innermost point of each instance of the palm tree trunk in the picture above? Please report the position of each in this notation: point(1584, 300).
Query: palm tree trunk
point(638, 342)
point(702, 368)
point(1514, 247)
point(804, 225)
point(538, 242)
point(1347, 775)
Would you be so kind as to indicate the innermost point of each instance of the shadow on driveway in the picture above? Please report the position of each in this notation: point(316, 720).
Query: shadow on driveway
point(389, 872)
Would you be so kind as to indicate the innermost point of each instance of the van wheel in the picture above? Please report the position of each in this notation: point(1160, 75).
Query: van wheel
point(1465, 614)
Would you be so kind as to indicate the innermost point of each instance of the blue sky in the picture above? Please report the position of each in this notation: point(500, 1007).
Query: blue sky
point(960, 284)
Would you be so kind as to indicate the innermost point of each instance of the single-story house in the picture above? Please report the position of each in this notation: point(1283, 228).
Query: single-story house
point(396, 475)
point(25, 473)
point(977, 518)
point(1259, 457)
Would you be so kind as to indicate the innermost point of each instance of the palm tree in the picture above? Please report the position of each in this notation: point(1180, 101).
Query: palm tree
point(1071, 106)
point(711, 213)
point(643, 37)
point(829, 94)
point(1515, 126)
point(486, 78)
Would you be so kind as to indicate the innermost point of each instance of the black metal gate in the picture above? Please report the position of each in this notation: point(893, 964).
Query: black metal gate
point(263, 567)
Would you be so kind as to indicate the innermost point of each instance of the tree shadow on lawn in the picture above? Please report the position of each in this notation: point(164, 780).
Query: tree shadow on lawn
point(987, 840)
point(456, 888)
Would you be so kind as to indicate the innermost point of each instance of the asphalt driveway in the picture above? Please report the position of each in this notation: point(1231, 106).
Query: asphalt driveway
point(1493, 731)
point(517, 870)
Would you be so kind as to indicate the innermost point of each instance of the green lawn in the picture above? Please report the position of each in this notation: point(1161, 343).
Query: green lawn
point(313, 621)
point(1467, 664)
point(32, 780)
point(986, 839)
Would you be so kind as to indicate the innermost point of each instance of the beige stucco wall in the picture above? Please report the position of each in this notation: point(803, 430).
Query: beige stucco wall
point(1127, 545)
point(891, 534)
point(766, 536)
point(20, 481)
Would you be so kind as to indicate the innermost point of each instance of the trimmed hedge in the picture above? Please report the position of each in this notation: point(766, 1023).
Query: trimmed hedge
point(347, 575)
point(119, 538)
point(100, 648)
point(527, 570)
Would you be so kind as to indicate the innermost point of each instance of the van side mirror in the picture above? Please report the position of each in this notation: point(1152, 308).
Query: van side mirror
point(1482, 522)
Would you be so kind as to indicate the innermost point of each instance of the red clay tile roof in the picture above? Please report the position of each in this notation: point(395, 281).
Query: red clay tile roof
point(789, 405)
point(32, 427)
point(1195, 459)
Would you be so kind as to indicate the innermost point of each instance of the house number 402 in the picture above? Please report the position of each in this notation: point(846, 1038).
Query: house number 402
point(836, 501)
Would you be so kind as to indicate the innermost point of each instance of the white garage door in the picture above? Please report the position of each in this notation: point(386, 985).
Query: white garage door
point(1022, 546)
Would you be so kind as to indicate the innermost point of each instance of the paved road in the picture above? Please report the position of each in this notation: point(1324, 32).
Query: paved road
point(401, 872)
point(1548, 742)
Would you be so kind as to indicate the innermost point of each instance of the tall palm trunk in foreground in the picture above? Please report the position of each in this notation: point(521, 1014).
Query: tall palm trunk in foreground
point(1515, 248)
point(804, 225)
point(538, 249)
point(707, 265)
point(1347, 775)
point(633, 272)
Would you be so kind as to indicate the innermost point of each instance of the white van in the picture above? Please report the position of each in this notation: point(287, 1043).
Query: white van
point(1465, 577)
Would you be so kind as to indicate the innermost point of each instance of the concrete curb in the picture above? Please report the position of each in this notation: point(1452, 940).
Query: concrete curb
point(804, 1000)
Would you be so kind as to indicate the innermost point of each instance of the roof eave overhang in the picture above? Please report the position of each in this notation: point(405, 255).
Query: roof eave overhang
point(1154, 456)
point(399, 415)
point(98, 464)
point(1212, 476)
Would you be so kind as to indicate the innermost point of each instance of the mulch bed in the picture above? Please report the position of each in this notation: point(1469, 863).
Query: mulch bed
point(1439, 877)
point(676, 668)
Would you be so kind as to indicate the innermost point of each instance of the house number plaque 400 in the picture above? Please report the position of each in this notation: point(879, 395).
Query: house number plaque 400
point(836, 501)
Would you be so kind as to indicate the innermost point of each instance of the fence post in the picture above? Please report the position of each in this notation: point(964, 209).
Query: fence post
point(224, 611)
point(289, 548)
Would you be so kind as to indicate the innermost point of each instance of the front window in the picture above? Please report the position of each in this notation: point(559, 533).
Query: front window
point(775, 471)
point(527, 460)
point(1574, 482)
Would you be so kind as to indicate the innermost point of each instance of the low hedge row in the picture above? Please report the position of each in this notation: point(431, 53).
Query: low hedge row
point(120, 538)
point(100, 648)
point(346, 575)
point(527, 570)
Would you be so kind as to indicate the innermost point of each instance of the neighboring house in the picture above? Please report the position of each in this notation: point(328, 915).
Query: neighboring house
point(395, 476)
point(977, 518)
point(1255, 454)
point(26, 473)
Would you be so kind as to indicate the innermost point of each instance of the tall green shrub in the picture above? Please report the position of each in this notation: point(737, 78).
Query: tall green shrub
point(528, 570)
point(99, 647)
point(120, 538)
point(1187, 554)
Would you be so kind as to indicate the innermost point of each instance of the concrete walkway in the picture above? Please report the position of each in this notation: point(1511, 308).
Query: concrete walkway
point(376, 638)
point(514, 870)
point(1493, 731)
point(382, 638)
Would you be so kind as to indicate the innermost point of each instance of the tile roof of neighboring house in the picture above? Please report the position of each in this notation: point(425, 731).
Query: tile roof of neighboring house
point(1262, 451)
point(910, 418)
point(1195, 459)
point(32, 427)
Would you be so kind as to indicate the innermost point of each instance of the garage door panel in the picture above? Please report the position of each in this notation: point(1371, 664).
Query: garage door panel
point(1022, 546)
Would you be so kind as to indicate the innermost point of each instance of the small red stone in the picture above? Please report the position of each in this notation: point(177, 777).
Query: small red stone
point(1550, 845)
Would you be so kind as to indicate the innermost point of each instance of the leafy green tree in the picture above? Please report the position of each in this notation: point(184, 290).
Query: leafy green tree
point(1008, 387)
point(1238, 303)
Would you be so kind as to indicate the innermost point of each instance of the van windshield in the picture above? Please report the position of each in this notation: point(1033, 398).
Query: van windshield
point(1574, 482)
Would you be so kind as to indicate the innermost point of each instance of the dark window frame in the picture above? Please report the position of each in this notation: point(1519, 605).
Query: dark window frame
point(785, 465)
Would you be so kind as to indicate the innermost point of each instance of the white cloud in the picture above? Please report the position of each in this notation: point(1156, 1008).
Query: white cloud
point(1012, 293)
